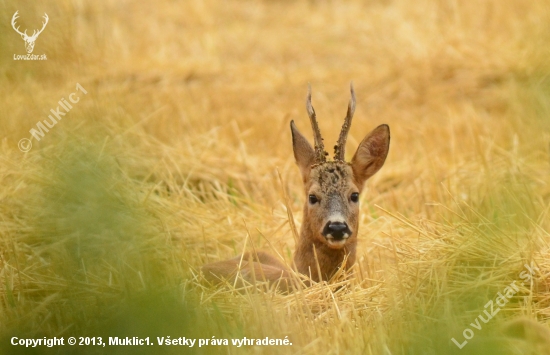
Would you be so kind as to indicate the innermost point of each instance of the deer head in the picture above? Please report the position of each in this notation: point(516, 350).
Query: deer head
point(328, 237)
point(29, 40)
point(332, 187)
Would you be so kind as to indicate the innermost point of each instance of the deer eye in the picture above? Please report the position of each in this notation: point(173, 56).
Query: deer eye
point(313, 199)
point(354, 197)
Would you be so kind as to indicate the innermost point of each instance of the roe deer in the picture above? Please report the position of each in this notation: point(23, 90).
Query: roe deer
point(328, 234)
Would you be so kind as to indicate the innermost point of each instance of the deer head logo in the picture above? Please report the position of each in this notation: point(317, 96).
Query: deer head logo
point(29, 40)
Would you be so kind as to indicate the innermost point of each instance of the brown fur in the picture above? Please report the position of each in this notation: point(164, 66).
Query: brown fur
point(253, 267)
point(333, 180)
point(332, 183)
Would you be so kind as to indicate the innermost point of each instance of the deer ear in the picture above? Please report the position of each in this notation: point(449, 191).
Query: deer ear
point(303, 152)
point(371, 154)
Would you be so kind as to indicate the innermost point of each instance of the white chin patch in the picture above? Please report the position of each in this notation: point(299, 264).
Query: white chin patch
point(336, 243)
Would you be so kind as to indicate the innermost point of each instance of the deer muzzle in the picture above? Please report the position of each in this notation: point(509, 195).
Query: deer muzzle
point(336, 233)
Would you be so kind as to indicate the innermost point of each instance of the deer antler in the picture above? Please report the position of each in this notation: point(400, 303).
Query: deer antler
point(34, 33)
point(320, 154)
point(43, 25)
point(13, 19)
point(340, 147)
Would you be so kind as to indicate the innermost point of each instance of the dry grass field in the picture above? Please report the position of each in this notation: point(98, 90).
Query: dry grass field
point(179, 154)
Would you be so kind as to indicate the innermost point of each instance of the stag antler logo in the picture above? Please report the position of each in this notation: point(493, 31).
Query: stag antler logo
point(29, 40)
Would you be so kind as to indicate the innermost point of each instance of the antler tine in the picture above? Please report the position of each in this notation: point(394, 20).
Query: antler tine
point(46, 18)
point(13, 19)
point(320, 154)
point(340, 147)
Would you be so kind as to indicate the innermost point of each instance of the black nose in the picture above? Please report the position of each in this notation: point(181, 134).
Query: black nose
point(336, 229)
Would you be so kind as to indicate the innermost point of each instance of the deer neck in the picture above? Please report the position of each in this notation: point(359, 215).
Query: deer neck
point(311, 251)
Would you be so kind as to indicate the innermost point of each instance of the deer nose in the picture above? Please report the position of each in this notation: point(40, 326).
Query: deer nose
point(337, 230)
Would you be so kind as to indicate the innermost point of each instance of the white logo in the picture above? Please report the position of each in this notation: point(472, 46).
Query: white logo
point(29, 40)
